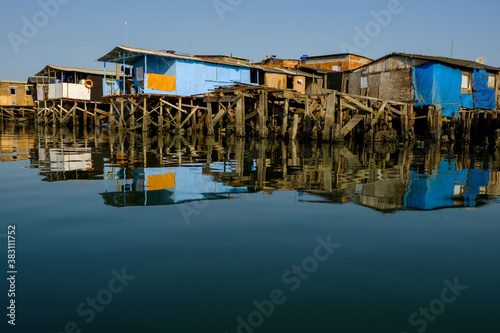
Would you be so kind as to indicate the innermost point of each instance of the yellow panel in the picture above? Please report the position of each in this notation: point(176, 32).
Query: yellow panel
point(161, 82)
point(161, 182)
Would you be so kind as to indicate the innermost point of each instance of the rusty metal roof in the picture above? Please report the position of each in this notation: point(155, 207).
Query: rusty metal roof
point(450, 61)
point(13, 82)
point(75, 69)
point(286, 71)
point(336, 55)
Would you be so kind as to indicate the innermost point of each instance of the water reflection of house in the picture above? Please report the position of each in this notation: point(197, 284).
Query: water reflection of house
point(161, 186)
point(383, 194)
point(494, 185)
point(446, 187)
point(68, 163)
point(16, 147)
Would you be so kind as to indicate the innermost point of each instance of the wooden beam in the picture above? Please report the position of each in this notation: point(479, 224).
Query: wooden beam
point(379, 113)
point(221, 99)
point(189, 116)
point(371, 98)
point(240, 117)
point(357, 103)
point(225, 110)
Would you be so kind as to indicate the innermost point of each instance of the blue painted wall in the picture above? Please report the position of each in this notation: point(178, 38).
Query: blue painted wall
point(192, 77)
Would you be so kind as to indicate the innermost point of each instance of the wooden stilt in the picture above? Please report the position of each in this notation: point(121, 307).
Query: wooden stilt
point(145, 116)
point(295, 127)
point(263, 110)
point(240, 117)
point(210, 120)
point(307, 117)
point(329, 116)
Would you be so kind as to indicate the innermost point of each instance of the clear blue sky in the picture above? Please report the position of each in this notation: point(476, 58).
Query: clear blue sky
point(82, 31)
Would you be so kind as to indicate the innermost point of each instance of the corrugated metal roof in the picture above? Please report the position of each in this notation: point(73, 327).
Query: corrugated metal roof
point(76, 69)
point(13, 82)
point(135, 54)
point(445, 60)
point(286, 71)
point(222, 56)
point(336, 55)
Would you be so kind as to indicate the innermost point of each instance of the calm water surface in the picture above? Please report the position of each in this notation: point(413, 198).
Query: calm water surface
point(125, 233)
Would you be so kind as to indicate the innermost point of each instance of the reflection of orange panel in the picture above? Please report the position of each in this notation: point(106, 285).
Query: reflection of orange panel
point(161, 182)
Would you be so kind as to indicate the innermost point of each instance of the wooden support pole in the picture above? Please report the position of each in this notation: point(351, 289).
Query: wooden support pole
point(286, 109)
point(132, 124)
point(307, 115)
point(121, 120)
point(439, 123)
point(112, 115)
point(263, 111)
point(210, 119)
point(295, 127)
point(179, 114)
point(240, 117)
point(161, 121)
point(193, 118)
point(404, 123)
point(329, 116)
point(85, 114)
point(145, 116)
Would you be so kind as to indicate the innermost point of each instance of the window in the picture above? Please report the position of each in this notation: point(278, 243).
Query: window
point(337, 68)
point(364, 82)
point(12, 91)
point(465, 82)
point(254, 76)
point(491, 81)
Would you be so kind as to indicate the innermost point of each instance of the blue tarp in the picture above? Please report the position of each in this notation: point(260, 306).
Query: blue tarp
point(484, 97)
point(438, 85)
point(466, 101)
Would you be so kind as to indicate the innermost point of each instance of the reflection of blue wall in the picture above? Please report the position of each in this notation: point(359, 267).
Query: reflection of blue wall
point(437, 190)
point(190, 185)
point(475, 180)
